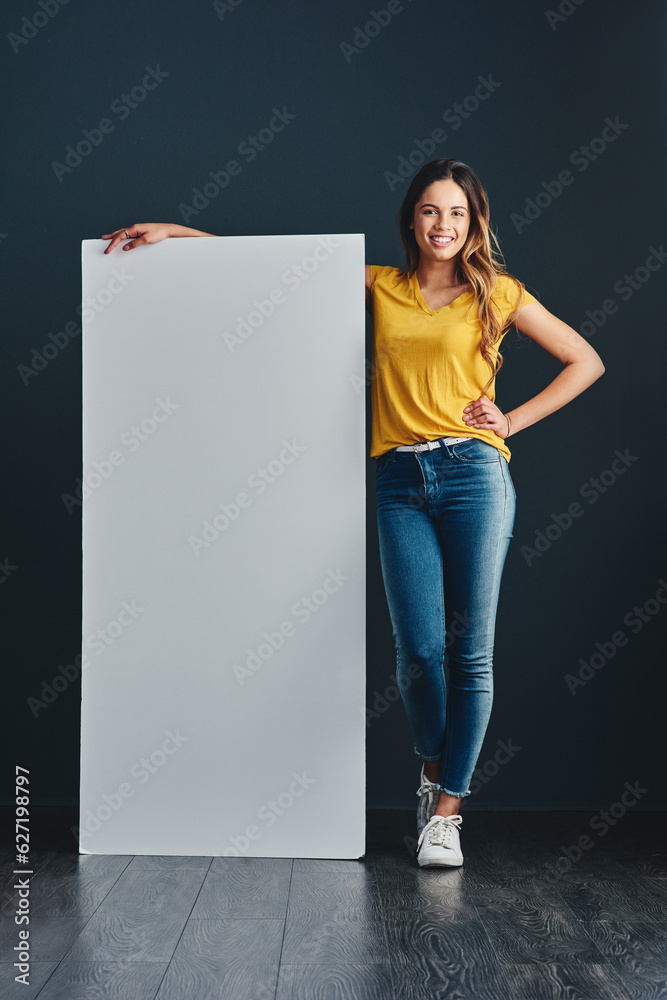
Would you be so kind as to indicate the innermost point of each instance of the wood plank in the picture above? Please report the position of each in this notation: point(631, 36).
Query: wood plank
point(141, 920)
point(155, 862)
point(50, 938)
point(595, 898)
point(333, 982)
point(528, 923)
point(439, 954)
point(354, 893)
point(244, 891)
point(103, 981)
point(425, 891)
point(331, 937)
point(635, 865)
point(559, 981)
point(236, 959)
point(631, 943)
point(259, 865)
point(11, 990)
point(304, 866)
point(38, 859)
point(87, 864)
point(57, 895)
point(507, 849)
point(646, 983)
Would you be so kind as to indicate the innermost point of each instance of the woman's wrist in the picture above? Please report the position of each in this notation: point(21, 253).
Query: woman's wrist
point(509, 425)
point(513, 421)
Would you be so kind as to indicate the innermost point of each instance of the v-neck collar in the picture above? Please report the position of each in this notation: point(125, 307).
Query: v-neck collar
point(419, 298)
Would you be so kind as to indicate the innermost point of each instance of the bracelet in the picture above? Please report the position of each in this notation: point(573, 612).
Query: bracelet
point(509, 425)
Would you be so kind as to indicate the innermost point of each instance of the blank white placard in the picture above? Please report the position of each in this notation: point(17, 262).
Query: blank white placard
point(223, 635)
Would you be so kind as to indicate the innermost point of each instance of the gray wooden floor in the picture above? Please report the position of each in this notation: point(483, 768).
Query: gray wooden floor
point(517, 922)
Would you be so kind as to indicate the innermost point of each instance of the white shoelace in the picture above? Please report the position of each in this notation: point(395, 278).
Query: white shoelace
point(440, 831)
point(428, 788)
point(428, 794)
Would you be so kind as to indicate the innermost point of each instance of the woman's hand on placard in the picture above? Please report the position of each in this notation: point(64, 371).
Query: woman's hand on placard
point(138, 235)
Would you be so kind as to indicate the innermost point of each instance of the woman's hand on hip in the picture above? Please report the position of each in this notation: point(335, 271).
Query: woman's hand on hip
point(138, 234)
point(482, 412)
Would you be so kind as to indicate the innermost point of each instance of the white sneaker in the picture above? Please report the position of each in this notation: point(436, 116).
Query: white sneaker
point(428, 793)
point(439, 844)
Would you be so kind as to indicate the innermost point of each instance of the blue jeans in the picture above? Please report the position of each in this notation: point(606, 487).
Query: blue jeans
point(445, 519)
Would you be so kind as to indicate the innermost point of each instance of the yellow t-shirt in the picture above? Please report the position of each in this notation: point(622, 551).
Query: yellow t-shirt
point(427, 364)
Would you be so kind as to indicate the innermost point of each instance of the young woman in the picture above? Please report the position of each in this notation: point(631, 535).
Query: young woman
point(445, 499)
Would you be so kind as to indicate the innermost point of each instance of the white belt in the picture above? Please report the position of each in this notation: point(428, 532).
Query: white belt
point(430, 445)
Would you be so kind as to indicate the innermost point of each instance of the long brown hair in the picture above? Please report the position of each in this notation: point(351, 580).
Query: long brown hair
point(475, 262)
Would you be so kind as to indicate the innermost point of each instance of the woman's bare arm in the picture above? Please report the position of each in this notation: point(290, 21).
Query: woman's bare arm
point(148, 232)
point(583, 366)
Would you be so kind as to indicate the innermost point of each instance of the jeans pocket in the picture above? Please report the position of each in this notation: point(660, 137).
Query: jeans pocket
point(475, 450)
point(382, 463)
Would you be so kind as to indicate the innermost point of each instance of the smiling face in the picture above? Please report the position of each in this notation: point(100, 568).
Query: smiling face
point(441, 220)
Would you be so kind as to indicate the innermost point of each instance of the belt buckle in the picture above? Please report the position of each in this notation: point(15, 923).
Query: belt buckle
point(426, 446)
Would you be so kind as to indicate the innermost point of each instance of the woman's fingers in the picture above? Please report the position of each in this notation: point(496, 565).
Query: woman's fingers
point(483, 413)
point(138, 235)
point(116, 237)
point(126, 234)
point(475, 411)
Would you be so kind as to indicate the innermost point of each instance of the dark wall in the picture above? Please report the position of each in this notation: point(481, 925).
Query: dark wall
point(584, 590)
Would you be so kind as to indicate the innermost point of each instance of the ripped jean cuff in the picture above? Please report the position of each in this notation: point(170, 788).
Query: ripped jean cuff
point(457, 795)
point(441, 788)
